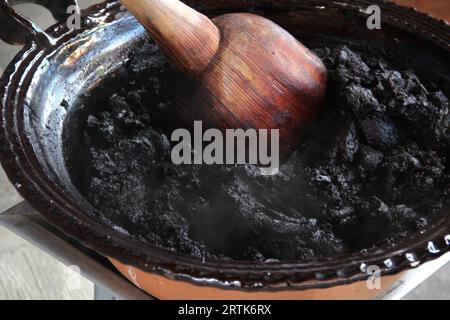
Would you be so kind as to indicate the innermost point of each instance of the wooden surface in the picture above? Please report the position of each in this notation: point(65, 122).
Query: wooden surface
point(437, 8)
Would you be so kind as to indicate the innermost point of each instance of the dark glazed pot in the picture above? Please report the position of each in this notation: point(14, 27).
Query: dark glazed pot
point(39, 89)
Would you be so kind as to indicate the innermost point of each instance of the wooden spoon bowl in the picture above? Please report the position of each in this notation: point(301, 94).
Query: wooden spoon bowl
point(243, 70)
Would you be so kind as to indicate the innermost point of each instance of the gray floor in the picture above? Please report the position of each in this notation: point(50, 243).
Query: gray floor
point(28, 273)
point(436, 287)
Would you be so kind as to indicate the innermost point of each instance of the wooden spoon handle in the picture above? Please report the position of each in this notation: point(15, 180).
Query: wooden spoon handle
point(188, 38)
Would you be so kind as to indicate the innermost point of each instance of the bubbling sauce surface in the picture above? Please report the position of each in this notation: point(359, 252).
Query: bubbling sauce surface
point(373, 169)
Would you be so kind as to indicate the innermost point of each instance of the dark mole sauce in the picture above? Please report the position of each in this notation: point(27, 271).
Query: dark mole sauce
point(371, 171)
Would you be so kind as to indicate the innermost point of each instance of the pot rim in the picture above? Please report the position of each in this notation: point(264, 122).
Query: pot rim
point(23, 170)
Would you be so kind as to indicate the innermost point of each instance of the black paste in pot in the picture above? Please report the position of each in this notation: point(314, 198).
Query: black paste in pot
point(374, 169)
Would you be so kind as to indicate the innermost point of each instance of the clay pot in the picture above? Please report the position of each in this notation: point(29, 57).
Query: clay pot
point(38, 94)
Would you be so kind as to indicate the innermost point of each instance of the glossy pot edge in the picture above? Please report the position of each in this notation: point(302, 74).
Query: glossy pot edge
point(163, 288)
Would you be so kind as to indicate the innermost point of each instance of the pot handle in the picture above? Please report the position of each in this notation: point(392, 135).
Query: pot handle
point(17, 30)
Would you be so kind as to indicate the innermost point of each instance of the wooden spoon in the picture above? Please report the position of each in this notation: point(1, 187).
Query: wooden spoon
point(245, 71)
